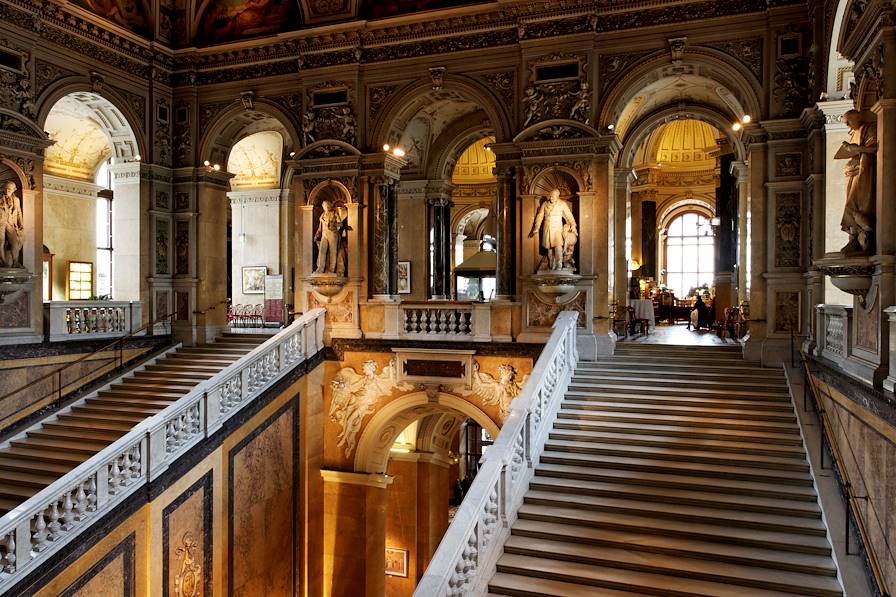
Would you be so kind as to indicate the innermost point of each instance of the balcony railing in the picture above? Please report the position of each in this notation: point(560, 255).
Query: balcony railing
point(31, 533)
point(466, 558)
point(448, 321)
point(90, 320)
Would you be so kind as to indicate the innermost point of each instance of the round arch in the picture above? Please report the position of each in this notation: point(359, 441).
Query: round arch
point(235, 123)
point(372, 453)
point(683, 206)
point(707, 64)
point(636, 135)
point(403, 102)
point(835, 83)
point(441, 164)
point(105, 103)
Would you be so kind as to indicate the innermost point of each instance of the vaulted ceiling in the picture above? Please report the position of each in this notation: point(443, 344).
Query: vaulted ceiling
point(206, 22)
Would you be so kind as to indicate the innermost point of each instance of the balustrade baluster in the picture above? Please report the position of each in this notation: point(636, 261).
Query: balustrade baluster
point(39, 534)
point(68, 512)
point(54, 526)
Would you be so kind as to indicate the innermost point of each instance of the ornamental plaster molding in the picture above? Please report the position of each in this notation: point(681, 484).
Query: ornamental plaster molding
point(256, 197)
point(68, 187)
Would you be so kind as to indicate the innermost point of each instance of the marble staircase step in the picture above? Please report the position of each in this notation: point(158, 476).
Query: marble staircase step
point(706, 410)
point(676, 419)
point(670, 429)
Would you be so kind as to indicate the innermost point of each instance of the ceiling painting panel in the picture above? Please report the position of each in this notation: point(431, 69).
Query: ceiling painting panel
point(227, 20)
point(133, 15)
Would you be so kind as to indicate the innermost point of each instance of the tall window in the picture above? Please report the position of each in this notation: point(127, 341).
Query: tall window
point(104, 233)
point(690, 254)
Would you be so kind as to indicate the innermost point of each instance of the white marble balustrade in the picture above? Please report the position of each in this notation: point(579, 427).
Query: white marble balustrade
point(90, 320)
point(435, 320)
point(31, 533)
point(466, 558)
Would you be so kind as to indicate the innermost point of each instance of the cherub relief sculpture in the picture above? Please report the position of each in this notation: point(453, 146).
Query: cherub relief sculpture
point(496, 392)
point(858, 214)
point(355, 395)
point(12, 227)
point(558, 231)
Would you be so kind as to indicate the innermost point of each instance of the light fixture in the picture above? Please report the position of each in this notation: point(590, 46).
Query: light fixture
point(398, 152)
point(206, 163)
point(137, 157)
point(715, 222)
point(635, 264)
point(611, 126)
point(487, 148)
point(292, 154)
point(386, 147)
point(217, 167)
point(747, 119)
point(736, 126)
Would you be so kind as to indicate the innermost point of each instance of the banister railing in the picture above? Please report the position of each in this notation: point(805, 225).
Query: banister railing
point(852, 499)
point(56, 515)
point(466, 558)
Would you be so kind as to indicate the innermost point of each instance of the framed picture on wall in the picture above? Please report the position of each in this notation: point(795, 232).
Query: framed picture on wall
point(396, 562)
point(404, 277)
point(253, 279)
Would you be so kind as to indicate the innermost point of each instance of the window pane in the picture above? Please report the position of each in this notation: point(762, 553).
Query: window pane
point(690, 254)
point(104, 272)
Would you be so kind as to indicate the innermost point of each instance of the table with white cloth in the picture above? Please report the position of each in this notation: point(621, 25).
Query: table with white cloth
point(643, 310)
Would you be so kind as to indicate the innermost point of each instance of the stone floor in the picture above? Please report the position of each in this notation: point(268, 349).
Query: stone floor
point(677, 334)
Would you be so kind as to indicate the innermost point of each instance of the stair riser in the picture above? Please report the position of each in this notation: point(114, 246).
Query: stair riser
point(708, 503)
point(681, 391)
point(670, 383)
point(721, 474)
point(709, 458)
point(727, 522)
point(745, 541)
point(585, 405)
point(746, 448)
point(780, 563)
point(781, 406)
point(745, 426)
point(745, 581)
point(571, 425)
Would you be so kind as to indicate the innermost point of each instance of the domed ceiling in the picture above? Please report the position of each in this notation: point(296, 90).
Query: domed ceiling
point(206, 22)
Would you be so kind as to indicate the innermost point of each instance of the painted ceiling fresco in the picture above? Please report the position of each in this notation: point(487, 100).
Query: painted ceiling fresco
point(130, 14)
point(81, 144)
point(255, 161)
point(219, 21)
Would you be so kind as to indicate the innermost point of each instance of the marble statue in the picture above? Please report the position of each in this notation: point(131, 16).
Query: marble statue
point(12, 227)
point(581, 107)
point(355, 395)
point(327, 237)
point(558, 231)
point(859, 151)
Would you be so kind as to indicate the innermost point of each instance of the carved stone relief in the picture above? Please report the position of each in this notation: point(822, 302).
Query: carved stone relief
point(162, 245)
point(328, 121)
point(787, 312)
point(355, 395)
point(495, 391)
point(563, 99)
point(163, 133)
point(504, 85)
point(747, 51)
point(787, 230)
point(543, 313)
point(377, 98)
point(182, 300)
point(341, 312)
point(788, 164)
point(612, 67)
point(791, 85)
point(181, 201)
point(162, 200)
point(182, 247)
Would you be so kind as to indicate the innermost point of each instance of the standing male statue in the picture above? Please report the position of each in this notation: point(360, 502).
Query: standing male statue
point(558, 230)
point(858, 214)
point(12, 227)
point(328, 234)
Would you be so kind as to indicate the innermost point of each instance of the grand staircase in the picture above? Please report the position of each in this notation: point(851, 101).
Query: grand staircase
point(47, 451)
point(671, 470)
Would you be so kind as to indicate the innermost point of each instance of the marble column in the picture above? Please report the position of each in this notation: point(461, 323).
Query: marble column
point(757, 214)
point(725, 238)
point(440, 224)
point(621, 190)
point(648, 240)
point(505, 203)
point(383, 261)
point(815, 183)
point(739, 171)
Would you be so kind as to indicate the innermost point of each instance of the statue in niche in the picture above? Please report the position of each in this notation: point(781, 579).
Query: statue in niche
point(328, 237)
point(859, 151)
point(12, 227)
point(558, 231)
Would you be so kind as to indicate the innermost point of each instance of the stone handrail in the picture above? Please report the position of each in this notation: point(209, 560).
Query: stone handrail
point(91, 320)
point(466, 558)
point(55, 516)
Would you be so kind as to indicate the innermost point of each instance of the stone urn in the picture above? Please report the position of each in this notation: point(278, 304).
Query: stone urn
point(556, 282)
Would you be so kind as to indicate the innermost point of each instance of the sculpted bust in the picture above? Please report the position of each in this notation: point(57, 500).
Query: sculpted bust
point(558, 231)
point(858, 213)
point(12, 227)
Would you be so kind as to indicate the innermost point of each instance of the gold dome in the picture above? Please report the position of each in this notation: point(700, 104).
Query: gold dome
point(476, 164)
point(686, 143)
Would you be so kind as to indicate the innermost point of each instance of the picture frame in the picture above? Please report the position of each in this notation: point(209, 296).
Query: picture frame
point(253, 279)
point(396, 562)
point(404, 277)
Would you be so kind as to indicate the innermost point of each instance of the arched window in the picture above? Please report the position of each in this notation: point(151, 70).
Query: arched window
point(690, 253)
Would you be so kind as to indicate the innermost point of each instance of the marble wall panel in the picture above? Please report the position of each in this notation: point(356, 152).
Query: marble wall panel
point(187, 542)
point(262, 486)
point(111, 576)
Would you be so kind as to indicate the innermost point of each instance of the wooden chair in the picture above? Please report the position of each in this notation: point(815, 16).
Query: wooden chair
point(621, 320)
point(641, 324)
